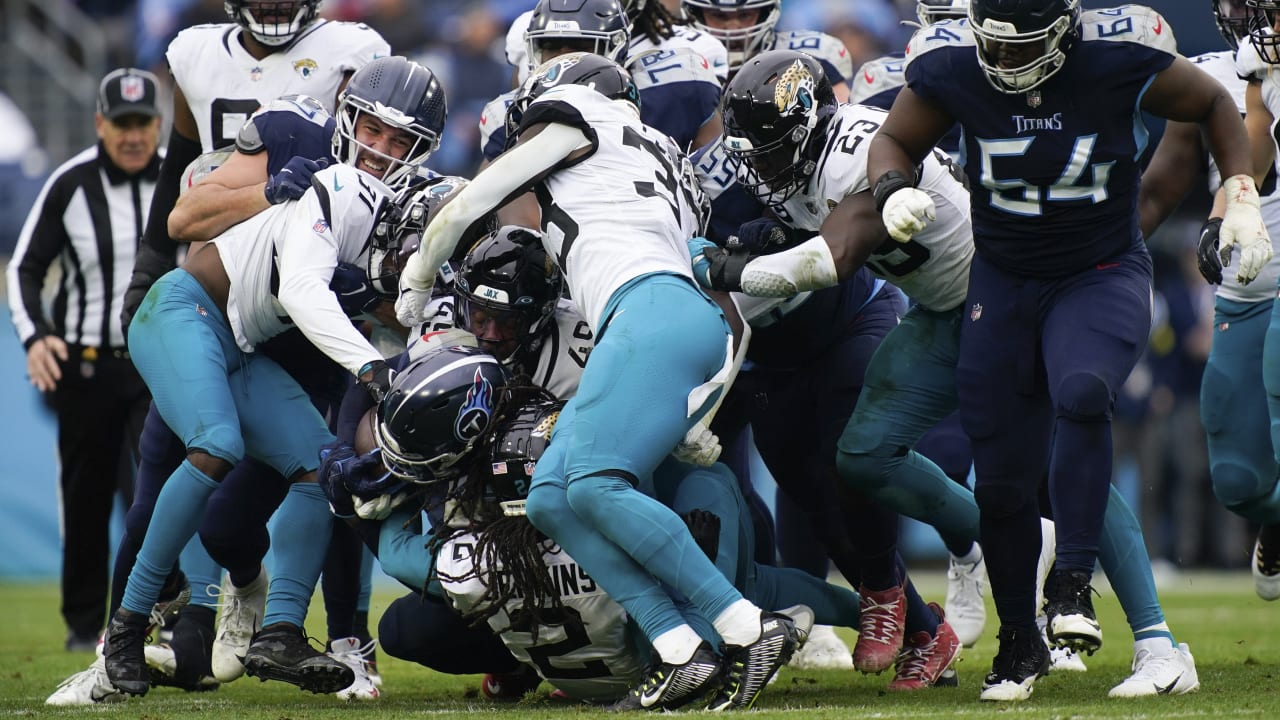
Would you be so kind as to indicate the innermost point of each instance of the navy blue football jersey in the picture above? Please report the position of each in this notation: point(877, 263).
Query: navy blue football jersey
point(1053, 172)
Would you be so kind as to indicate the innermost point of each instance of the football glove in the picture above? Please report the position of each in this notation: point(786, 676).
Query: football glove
point(763, 235)
point(355, 294)
point(411, 306)
point(379, 508)
point(704, 526)
point(292, 181)
point(1242, 226)
point(1207, 251)
point(331, 478)
point(906, 212)
point(700, 446)
point(718, 268)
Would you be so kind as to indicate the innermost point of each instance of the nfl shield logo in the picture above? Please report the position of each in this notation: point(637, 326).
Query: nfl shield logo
point(976, 312)
point(1033, 98)
point(321, 226)
point(255, 74)
point(132, 88)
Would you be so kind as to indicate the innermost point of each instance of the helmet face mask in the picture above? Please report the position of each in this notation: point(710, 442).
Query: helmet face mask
point(395, 96)
point(437, 410)
point(931, 11)
point(1233, 18)
point(773, 112)
point(752, 21)
point(1262, 34)
point(1021, 45)
point(272, 23)
point(594, 26)
point(506, 291)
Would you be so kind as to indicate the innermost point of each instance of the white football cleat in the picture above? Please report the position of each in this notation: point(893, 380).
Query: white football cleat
point(966, 609)
point(241, 617)
point(351, 653)
point(824, 650)
point(87, 687)
point(1266, 580)
point(1171, 674)
point(1065, 660)
point(1048, 553)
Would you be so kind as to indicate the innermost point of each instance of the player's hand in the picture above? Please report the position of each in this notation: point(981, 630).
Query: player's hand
point(701, 251)
point(1207, 251)
point(376, 378)
point(292, 181)
point(906, 212)
point(42, 362)
point(700, 446)
point(411, 306)
point(332, 478)
point(763, 235)
point(718, 268)
point(1242, 226)
point(355, 293)
point(704, 526)
point(379, 508)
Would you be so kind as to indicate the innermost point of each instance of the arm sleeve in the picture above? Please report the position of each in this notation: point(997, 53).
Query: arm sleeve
point(43, 236)
point(157, 254)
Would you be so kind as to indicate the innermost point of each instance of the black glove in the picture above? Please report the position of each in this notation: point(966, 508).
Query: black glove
point(704, 526)
point(376, 378)
point(1207, 251)
point(332, 478)
point(763, 236)
point(716, 267)
point(292, 181)
point(355, 293)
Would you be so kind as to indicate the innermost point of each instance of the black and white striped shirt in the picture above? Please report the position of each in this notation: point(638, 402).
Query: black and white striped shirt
point(89, 218)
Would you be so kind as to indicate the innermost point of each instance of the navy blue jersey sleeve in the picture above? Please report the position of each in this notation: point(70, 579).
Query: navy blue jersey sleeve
point(679, 109)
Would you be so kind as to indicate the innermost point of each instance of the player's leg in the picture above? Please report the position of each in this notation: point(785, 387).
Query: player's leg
point(1265, 562)
point(1095, 326)
point(1008, 419)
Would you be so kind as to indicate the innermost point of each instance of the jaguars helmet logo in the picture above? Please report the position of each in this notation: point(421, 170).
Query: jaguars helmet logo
point(794, 88)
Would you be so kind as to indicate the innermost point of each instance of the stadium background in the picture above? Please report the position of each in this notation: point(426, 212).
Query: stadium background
point(54, 52)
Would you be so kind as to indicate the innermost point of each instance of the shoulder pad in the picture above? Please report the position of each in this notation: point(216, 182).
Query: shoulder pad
point(825, 48)
point(701, 43)
point(1249, 64)
point(671, 65)
point(877, 76)
point(1129, 23)
point(202, 166)
point(942, 34)
point(281, 117)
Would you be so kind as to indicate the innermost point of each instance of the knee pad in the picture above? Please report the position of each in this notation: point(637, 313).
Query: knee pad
point(1236, 485)
point(1000, 501)
point(1084, 396)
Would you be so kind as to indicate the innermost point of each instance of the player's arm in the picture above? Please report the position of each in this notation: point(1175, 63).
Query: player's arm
point(849, 235)
point(709, 132)
point(1257, 122)
point(1168, 179)
point(914, 125)
point(541, 148)
point(230, 194)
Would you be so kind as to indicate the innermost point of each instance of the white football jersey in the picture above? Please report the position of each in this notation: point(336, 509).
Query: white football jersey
point(224, 84)
point(590, 655)
point(828, 50)
point(883, 74)
point(566, 344)
point(933, 267)
point(292, 248)
point(625, 210)
point(1222, 66)
point(683, 36)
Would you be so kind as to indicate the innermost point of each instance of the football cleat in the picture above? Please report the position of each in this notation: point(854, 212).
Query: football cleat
point(510, 687)
point(352, 653)
point(174, 595)
point(183, 662)
point(1066, 660)
point(880, 628)
point(242, 613)
point(1021, 659)
point(666, 686)
point(1068, 609)
point(1265, 567)
point(924, 657)
point(280, 651)
point(749, 668)
point(1173, 673)
point(966, 607)
point(87, 687)
point(824, 650)
point(126, 665)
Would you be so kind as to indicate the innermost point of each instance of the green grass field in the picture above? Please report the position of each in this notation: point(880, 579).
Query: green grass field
point(1232, 633)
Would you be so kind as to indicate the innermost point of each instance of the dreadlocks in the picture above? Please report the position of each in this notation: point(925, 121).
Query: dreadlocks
point(509, 545)
point(652, 19)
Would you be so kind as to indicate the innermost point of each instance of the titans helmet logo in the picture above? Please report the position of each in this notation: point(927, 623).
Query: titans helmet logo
point(476, 411)
point(794, 88)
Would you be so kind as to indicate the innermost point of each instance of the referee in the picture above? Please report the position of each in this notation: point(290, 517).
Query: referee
point(89, 218)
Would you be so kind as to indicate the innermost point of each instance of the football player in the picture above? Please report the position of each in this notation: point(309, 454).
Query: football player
point(875, 450)
point(578, 126)
point(390, 127)
point(1055, 226)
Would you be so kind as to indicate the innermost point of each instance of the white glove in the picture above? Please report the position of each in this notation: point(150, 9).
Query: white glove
point(700, 446)
point(378, 508)
point(906, 212)
point(411, 306)
point(1242, 226)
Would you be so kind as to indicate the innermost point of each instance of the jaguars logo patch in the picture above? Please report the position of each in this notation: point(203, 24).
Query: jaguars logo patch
point(305, 67)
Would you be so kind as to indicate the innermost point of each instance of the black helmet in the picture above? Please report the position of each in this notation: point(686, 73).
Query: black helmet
point(517, 442)
point(398, 92)
point(774, 111)
point(436, 410)
point(594, 71)
point(273, 23)
point(599, 25)
point(507, 284)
